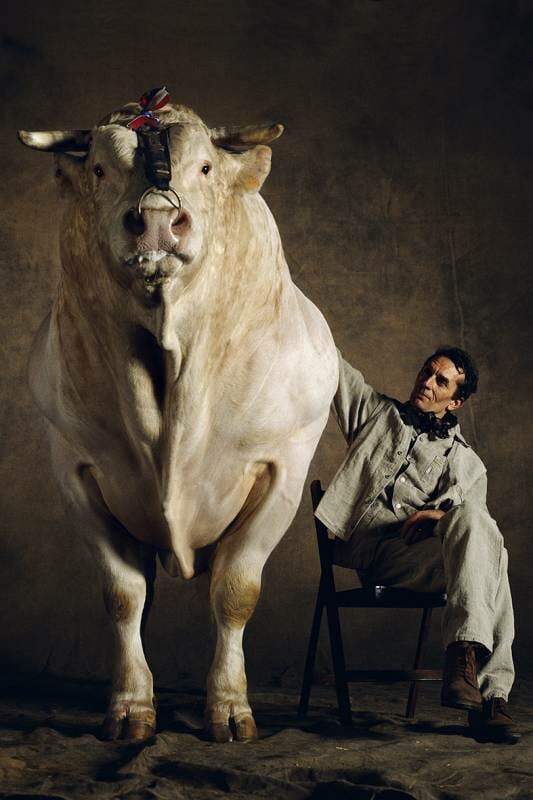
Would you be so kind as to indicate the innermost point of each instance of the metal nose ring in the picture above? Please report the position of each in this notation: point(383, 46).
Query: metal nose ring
point(164, 193)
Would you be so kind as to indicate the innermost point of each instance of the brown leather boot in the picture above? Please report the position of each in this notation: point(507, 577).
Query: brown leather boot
point(493, 723)
point(459, 681)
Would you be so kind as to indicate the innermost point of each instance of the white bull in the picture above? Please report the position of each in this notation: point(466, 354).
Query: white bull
point(186, 381)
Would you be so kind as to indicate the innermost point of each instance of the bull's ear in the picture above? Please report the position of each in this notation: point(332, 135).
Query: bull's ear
point(72, 141)
point(68, 173)
point(68, 168)
point(237, 139)
point(252, 158)
point(252, 170)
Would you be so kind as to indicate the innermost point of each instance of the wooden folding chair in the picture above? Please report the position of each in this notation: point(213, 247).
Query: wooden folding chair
point(367, 597)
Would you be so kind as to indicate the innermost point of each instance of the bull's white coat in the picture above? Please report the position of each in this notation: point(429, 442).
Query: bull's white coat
point(186, 381)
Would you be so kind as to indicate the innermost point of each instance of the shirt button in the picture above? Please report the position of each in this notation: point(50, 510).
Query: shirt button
point(402, 479)
point(398, 505)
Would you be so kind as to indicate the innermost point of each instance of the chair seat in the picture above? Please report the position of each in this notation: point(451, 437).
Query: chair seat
point(388, 597)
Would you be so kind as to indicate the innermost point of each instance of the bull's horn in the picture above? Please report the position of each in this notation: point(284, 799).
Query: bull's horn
point(57, 141)
point(244, 138)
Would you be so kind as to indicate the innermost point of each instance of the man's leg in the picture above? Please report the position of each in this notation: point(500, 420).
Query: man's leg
point(418, 566)
point(479, 607)
point(467, 557)
point(479, 610)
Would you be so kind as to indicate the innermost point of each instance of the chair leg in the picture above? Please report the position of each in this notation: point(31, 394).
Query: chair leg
point(307, 681)
point(422, 637)
point(339, 667)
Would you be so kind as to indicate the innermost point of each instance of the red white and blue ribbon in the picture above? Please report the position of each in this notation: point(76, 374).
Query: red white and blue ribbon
point(152, 100)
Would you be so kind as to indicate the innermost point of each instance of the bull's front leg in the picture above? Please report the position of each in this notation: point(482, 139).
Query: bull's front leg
point(131, 710)
point(235, 586)
point(126, 569)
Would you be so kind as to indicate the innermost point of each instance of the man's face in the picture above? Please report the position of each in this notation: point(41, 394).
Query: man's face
point(436, 387)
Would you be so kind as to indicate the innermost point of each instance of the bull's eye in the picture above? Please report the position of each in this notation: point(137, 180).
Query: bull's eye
point(98, 171)
point(206, 168)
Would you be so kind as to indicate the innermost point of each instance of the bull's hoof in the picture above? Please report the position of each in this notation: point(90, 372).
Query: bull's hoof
point(124, 722)
point(245, 730)
point(132, 729)
point(138, 730)
point(111, 729)
point(218, 732)
point(242, 729)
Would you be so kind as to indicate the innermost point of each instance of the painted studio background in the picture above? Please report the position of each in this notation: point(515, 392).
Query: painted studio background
point(402, 189)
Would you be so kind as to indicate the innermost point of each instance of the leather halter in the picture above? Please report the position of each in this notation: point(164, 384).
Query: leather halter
point(156, 149)
point(157, 165)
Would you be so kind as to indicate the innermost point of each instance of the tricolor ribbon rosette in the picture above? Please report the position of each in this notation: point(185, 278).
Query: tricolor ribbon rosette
point(151, 101)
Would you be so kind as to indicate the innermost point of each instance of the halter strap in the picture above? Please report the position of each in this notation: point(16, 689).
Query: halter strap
point(156, 151)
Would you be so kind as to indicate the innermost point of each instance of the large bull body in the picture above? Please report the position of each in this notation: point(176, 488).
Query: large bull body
point(186, 381)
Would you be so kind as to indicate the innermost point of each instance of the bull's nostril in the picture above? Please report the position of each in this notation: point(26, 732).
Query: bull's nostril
point(181, 220)
point(133, 222)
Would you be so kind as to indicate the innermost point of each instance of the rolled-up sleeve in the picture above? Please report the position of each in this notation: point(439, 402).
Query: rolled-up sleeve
point(354, 401)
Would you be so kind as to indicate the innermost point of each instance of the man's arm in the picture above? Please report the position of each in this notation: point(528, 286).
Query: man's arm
point(354, 400)
point(421, 524)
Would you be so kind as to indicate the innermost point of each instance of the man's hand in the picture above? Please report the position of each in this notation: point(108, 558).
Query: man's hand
point(420, 525)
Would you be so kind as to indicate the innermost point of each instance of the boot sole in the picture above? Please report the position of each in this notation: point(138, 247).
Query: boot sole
point(462, 706)
point(495, 737)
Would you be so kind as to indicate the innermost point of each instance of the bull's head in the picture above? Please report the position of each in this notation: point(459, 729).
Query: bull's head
point(154, 199)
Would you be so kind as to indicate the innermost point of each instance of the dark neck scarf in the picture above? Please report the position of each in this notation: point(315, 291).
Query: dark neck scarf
point(427, 422)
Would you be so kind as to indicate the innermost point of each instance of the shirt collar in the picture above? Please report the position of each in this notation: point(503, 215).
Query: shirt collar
point(423, 422)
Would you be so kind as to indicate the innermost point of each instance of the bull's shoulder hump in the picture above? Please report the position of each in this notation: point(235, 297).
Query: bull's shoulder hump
point(314, 320)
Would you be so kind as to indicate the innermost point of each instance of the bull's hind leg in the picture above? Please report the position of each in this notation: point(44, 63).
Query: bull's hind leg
point(235, 586)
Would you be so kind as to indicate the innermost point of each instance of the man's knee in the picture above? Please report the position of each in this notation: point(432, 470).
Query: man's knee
point(471, 519)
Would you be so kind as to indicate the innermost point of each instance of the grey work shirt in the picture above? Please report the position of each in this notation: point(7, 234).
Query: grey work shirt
point(411, 489)
point(367, 488)
point(415, 482)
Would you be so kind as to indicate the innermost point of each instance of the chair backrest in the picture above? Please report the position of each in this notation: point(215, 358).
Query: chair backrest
point(325, 544)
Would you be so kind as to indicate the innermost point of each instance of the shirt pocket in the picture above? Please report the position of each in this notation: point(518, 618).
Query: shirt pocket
point(431, 472)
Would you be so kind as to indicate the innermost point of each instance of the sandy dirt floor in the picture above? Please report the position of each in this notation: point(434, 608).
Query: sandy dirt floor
point(50, 749)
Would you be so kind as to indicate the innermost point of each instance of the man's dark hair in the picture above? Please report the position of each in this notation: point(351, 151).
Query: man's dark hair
point(463, 363)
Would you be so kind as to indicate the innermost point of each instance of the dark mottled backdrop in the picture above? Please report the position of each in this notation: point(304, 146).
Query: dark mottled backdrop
point(402, 189)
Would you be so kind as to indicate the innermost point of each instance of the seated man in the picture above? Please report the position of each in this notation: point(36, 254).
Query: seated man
point(409, 507)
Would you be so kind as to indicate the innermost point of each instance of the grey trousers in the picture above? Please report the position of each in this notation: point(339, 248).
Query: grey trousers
point(466, 558)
